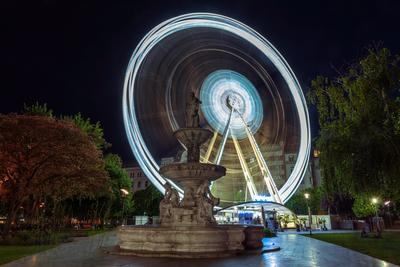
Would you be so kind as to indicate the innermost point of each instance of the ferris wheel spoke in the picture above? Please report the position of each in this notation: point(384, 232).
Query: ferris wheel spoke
point(268, 179)
point(223, 141)
point(247, 175)
point(206, 157)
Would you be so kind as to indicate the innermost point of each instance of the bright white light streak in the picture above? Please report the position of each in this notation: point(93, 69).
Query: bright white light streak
point(223, 141)
point(209, 20)
point(247, 174)
point(210, 147)
point(268, 179)
point(222, 84)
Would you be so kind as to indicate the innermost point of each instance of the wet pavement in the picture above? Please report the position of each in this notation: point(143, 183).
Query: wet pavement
point(296, 250)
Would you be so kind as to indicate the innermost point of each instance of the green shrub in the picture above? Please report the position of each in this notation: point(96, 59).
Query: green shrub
point(268, 232)
point(363, 206)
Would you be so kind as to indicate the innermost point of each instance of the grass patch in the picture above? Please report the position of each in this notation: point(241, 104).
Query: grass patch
point(386, 248)
point(97, 231)
point(22, 243)
point(89, 232)
point(11, 253)
point(35, 238)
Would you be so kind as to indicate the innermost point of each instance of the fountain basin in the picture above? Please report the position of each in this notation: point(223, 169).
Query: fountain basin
point(182, 242)
point(193, 171)
point(189, 136)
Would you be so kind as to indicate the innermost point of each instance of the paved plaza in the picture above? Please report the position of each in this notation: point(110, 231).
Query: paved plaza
point(296, 250)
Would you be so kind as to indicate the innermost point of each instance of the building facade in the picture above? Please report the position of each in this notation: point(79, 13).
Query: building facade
point(281, 165)
point(139, 179)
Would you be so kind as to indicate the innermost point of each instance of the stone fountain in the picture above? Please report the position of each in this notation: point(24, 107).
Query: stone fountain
point(187, 226)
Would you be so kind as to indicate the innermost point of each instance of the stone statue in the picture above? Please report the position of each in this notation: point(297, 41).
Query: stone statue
point(188, 200)
point(205, 202)
point(193, 153)
point(170, 201)
point(192, 111)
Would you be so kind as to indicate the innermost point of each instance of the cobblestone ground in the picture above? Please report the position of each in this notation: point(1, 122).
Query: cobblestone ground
point(296, 250)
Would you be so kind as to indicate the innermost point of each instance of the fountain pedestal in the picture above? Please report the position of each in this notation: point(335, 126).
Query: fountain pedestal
point(188, 228)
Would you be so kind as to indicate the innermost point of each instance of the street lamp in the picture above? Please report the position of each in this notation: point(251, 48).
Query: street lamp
point(375, 202)
point(124, 193)
point(307, 196)
point(375, 221)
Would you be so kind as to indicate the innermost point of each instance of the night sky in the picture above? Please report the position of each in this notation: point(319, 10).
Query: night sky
point(74, 56)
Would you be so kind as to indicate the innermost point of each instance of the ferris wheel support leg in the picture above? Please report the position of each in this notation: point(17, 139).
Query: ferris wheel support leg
point(247, 175)
point(210, 147)
point(269, 181)
point(223, 142)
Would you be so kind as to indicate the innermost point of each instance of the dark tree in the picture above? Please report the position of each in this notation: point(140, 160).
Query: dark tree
point(359, 117)
point(45, 158)
point(147, 201)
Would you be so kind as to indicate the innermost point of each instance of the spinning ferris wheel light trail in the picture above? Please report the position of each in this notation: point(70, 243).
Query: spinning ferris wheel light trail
point(224, 138)
point(210, 147)
point(251, 100)
point(268, 179)
point(247, 174)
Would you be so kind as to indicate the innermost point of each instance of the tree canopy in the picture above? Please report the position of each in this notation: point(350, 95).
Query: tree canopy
point(119, 179)
point(298, 203)
point(43, 157)
point(359, 114)
point(94, 130)
point(37, 110)
point(147, 201)
point(363, 207)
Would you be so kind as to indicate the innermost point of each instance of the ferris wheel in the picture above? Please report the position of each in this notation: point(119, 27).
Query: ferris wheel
point(251, 100)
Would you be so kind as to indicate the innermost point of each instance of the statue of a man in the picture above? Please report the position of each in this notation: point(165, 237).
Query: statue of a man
point(192, 111)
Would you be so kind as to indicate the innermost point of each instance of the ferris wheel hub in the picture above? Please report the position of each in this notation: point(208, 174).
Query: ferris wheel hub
point(234, 101)
point(224, 90)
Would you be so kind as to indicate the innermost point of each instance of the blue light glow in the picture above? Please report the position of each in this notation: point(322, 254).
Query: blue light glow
point(223, 86)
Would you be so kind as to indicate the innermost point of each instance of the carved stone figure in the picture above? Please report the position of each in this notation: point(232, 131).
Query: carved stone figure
point(193, 154)
point(170, 201)
point(188, 200)
point(205, 202)
point(192, 111)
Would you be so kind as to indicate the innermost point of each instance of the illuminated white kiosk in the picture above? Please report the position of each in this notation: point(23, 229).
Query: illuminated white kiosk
point(252, 106)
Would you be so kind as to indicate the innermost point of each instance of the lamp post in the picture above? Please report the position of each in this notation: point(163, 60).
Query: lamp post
point(124, 193)
point(307, 196)
point(387, 204)
point(375, 221)
point(375, 202)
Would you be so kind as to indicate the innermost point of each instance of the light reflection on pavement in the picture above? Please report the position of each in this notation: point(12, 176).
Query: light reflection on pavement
point(296, 250)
